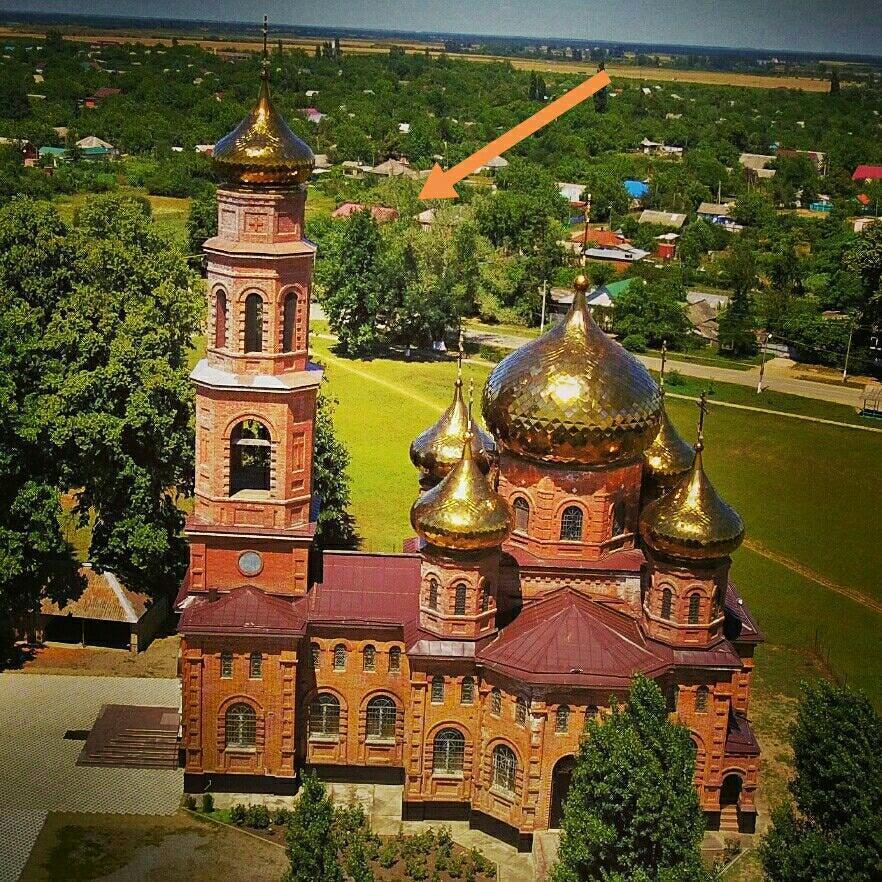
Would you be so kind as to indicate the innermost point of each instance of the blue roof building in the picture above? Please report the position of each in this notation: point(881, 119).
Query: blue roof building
point(637, 189)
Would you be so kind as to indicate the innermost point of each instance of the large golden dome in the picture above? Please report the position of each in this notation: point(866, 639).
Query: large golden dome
point(262, 151)
point(573, 396)
point(437, 450)
point(669, 455)
point(691, 521)
point(463, 512)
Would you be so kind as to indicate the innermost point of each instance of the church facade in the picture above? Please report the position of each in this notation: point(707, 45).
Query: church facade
point(576, 543)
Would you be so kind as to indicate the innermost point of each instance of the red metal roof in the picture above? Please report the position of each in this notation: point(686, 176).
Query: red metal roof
point(741, 626)
point(625, 560)
point(867, 173)
point(361, 588)
point(740, 740)
point(244, 610)
point(566, 638)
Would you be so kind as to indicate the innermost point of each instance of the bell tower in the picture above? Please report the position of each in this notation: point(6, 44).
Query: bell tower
point(253, 520)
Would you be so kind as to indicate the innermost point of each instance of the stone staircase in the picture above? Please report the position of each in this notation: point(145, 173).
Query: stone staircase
point(729, 819)
point(133, 737)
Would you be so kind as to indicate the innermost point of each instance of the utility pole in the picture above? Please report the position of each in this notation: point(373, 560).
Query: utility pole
point(719, 192)
point(610, 217)
point(759, 385)
point(544, 295)
point(847, 352)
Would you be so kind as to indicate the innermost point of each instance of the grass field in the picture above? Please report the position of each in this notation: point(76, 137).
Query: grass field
point(804, 490)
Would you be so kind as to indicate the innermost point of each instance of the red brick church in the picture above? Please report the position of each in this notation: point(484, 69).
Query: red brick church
point(577, 543)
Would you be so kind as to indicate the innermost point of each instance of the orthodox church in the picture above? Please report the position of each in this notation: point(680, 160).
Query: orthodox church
point(574, 544)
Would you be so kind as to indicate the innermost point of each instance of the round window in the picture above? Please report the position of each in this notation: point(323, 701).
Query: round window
point(250, 563)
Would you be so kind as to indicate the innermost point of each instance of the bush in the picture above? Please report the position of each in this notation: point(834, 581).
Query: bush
point(190, 802)
point(257, 817)
point(416, 868)
point(635, 343)
point(388, 854)
point(456, 867)
point(237, 814)
point(281, 817)
point(481, 863)
point(445, 841)
point(207, 803)
point(675, 378)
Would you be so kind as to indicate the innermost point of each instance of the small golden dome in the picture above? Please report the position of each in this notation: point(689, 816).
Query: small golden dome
point(668, 455)
point(573, 396)
point(691, 521)
point(262, 151)
point(437, 450)
point(463, 512)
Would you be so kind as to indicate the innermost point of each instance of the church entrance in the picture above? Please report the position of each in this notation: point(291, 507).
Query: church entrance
point(730, 792)
point(560, 786)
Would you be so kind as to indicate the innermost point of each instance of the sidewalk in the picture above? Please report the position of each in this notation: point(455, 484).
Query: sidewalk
point(774, 379)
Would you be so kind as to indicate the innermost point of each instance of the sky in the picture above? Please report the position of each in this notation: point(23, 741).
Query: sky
point(850, 26)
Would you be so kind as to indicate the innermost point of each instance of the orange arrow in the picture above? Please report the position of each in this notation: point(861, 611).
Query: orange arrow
point(439, 184)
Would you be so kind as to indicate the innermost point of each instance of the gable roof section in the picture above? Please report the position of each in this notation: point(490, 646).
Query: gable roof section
point(565, 638)
point(244, 610)
point(867, 173)
point(104, 598)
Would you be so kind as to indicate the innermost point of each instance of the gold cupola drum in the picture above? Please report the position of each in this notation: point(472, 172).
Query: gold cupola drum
point(262, 152)
point(437, 450)
point(691, 521)
point(573, 396)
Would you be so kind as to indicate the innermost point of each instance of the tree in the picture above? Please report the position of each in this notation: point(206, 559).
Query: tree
point(864, 257)
point(601, 97)
point(352, 284)
point(14, 101)
point(656, 312)
point(632, 812)
point(201, 220)
point(835, 85)
point(833, 831)
point(332, 484)
point(311, 843)
point(736, 322)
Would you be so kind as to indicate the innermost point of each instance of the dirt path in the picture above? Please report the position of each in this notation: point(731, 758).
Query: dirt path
point(817, 578)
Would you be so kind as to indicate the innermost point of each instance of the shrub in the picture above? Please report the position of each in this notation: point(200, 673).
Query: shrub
point(481, 863)
point(237, 814)
point(281, 816)
point(674, 378)
point(371, 846)
point(416, 868)
point(635, 343)
point(207, 803)
point(456, 867)
point(445, 841)
point(257, 816)
point(388, 854)
point(190, 802)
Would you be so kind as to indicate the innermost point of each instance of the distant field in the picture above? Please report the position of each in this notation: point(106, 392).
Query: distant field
point(802, 489)
point(369, 47)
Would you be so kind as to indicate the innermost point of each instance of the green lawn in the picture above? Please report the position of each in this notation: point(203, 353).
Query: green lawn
point(805, 491)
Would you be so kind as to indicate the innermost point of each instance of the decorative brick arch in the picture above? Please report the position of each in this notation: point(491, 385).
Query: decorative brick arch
point(240, 323)
point(273, 445)
point(468, 756)
point(260, 721)
point(487, 765)
point(217, 292)
point(399, 714)
point(559, 513)
point(300, 327)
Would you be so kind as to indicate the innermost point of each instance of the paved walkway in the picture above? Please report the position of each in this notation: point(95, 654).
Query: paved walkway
point(774, 378)
point(39, 765)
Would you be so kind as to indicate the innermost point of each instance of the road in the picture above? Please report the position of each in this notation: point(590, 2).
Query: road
point(774, 378)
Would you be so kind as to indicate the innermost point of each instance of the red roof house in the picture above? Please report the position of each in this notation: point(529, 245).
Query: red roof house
point(867, 173)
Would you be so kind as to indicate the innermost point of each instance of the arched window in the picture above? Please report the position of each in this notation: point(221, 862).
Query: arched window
point(467, 691)
point(382, 715)
point(619, 512)
point(459, 600)
point(324, 715)
point(448, 752)
point(505, 767)
point(394, 660)
point(369, 657)
point(673, 694)
point(667, 601)
point(220, 320)
point(521, 712)
point(316, 655)
point(496, 702)
point(694, 607)
point(289, 316)
point(240, 724)
point(339, 657)
point(437, 689)
point(485, 598)
point(521, 514)
point(255, 666)
point(249, 457)
point(433, 593)
point(701, 696)
point(562, 719)
point(226, 665)
point(254, 323)
point(571, 524)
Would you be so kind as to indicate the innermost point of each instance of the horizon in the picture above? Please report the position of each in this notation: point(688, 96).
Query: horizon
point(837, 27)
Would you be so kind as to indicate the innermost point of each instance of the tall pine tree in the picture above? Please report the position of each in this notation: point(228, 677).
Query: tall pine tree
point(632, 813)
point(311, 843)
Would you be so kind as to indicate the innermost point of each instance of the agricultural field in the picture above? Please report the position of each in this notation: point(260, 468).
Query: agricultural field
point(807, 568)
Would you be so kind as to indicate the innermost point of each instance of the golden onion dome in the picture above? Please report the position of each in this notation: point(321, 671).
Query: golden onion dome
point(573, 396)
point(669, 455)
point(691, 521)
point(262, 152)
point(437, 450)
point(463, 512)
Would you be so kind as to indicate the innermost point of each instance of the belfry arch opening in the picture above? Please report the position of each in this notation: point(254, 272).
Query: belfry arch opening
point(220, 320)
point(254, 323)
point(250, 458)
point(289, 319)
